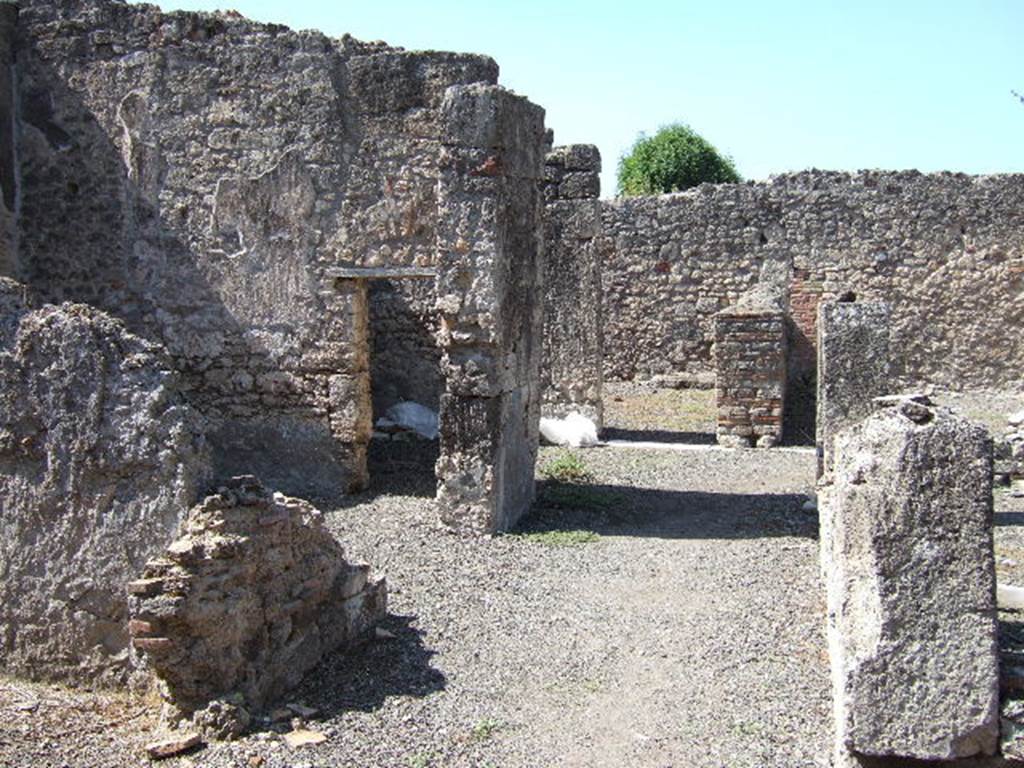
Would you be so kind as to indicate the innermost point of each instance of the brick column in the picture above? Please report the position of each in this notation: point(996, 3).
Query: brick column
point(750, 372)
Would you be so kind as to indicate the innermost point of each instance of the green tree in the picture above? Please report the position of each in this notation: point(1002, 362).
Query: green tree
point(673, 159)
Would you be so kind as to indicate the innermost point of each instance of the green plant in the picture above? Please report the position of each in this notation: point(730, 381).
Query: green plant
point(484, 729)
point(556, 538)
point(673, 159)
point(566, 468)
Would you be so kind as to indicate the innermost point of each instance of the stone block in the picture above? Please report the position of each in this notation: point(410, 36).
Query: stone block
point(492, 118)
point(908, 563)
point(854, 366)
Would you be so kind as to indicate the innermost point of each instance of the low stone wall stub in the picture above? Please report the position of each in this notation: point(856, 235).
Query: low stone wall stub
point(907, 558)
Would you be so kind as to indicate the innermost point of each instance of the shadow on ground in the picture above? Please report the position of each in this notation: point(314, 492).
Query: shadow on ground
point(613, 510)
point(362, 677)
point(659, 436)
point(397, 468)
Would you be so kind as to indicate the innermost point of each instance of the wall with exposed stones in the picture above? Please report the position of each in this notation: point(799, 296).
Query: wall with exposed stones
point(946, 250)
point(251, 595)
point(100, 458)
point(490, 296)
point(196, 174)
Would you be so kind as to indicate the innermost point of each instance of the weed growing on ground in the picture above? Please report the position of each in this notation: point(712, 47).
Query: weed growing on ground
point(561, 538)
point(484, 729)
point(569, 467)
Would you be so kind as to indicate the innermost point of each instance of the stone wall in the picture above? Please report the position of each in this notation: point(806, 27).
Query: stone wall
point(99, 460)
point(572, 368)
point(946, 250)
point(196, 174)
point(490, 296)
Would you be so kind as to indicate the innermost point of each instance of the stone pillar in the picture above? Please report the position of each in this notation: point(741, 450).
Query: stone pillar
point(853, 367)
point(907, 558)
point(9, 266)
point(489, 288)
point(750, 371)
point(349, 404)
point(572, 374)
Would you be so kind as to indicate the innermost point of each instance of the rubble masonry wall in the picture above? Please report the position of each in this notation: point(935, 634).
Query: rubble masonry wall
point(195, 175)
point(946, 250)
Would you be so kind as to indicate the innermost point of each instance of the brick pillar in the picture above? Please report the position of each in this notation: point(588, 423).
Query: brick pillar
point(489, 288)
point(750, 372)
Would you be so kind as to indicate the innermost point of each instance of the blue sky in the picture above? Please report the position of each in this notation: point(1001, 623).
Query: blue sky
point(779, 86)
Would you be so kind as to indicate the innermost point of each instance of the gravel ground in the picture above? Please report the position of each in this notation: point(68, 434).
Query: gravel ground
point(667, 611)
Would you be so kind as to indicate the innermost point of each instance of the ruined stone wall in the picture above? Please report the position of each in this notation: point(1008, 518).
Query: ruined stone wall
point(572, 368)
point(99, 460)
point(195, 175)
point(248, 599)
point(946, 250)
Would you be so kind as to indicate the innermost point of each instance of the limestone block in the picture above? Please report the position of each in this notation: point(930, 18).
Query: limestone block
point(251, 570)
point(854, 367)
point(99, 458)
point(908, 563)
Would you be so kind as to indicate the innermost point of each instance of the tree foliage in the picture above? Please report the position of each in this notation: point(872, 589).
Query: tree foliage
point(673, 159)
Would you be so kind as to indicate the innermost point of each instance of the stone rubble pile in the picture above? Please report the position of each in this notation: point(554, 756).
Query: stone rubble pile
point(244, 603)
